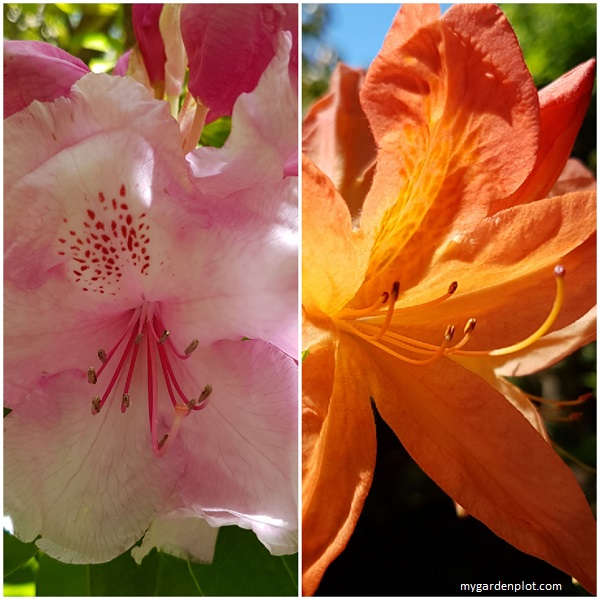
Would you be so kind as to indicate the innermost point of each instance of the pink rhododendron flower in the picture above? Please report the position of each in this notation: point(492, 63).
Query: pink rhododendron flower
point(145, 19)
point(150, 324)
point(37, 71)
point(219, 70)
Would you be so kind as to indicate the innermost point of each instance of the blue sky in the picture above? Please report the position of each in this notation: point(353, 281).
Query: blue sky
point(357, 31)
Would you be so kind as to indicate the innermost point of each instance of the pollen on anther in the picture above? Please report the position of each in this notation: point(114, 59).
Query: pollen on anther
point(192, 346)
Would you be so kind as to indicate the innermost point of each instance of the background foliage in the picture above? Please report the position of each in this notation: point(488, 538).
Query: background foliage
point(432, 551)
point(98, 34)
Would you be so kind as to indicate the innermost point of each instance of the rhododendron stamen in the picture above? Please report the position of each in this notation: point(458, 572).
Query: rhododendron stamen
point(104, 358)
point(190, 348)
point(151, 326)
point(197, 126)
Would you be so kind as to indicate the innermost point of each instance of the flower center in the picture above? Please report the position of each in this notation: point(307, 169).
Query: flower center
point(372, 324)
point(146, 324)
point(105, 240)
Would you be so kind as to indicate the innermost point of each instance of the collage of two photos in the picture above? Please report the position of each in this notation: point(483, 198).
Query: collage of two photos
point(299, 299)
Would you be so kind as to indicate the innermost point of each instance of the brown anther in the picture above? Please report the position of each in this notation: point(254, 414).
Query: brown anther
point(206, 392)
point(453, 287)
point(449, 333)
point(164, 439)
point(102, 355)
point(385, 297)
point(92, 375)
point(126, 401)
point(470, 326)
point(163, 337)
point(138, 338)
point(395, 291)
point(193, 345)
point(96, 405)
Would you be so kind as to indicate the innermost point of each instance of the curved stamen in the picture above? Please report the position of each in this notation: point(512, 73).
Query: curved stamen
point(438, 353)
point(559, 273)
point(364, 326)
point(151, 327)
point(351, 313)
point(451, 289)
point(390, 311)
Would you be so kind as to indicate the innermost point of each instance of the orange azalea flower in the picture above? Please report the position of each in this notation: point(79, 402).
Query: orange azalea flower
point(463, 268)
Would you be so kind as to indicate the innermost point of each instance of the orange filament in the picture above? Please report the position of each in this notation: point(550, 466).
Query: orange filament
point(366, 324)
point(559, 273)
point(552, 403)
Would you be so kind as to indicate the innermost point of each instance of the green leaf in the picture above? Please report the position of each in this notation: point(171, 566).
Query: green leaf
point(60, 579)
point(19, 589)
point(216, 133)
point(243, 567)
point(124, 577)
point(16, 553)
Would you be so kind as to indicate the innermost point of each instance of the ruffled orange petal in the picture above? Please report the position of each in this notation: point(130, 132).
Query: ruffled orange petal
point(334, 258)
point(563, 105)
point(338, 453)
point(337, 137)
point(575, 177)
point(449, 101)
point(482, 452)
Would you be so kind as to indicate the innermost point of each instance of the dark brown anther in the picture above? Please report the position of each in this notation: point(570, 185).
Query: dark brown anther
point(92, 375)
point(102, 355)
point(163, 337)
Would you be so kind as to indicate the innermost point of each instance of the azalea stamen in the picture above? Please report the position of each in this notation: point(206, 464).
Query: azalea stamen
point(451, 289)
point(351, 313)
point(553, 403)
point(364, 323)
point(434, 355)
point(390, 310)
point(467, 333)
point(559, 273)
point(553, 406)
point(147, 323)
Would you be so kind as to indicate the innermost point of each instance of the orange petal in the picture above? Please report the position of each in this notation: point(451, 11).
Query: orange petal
point(482, 452)
point(334, 258)
point(575, 177)
point(337, 137)
point(456, 117)
point(338, 454)
point(563, 105)
point(511, 308)
point(550, 349)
